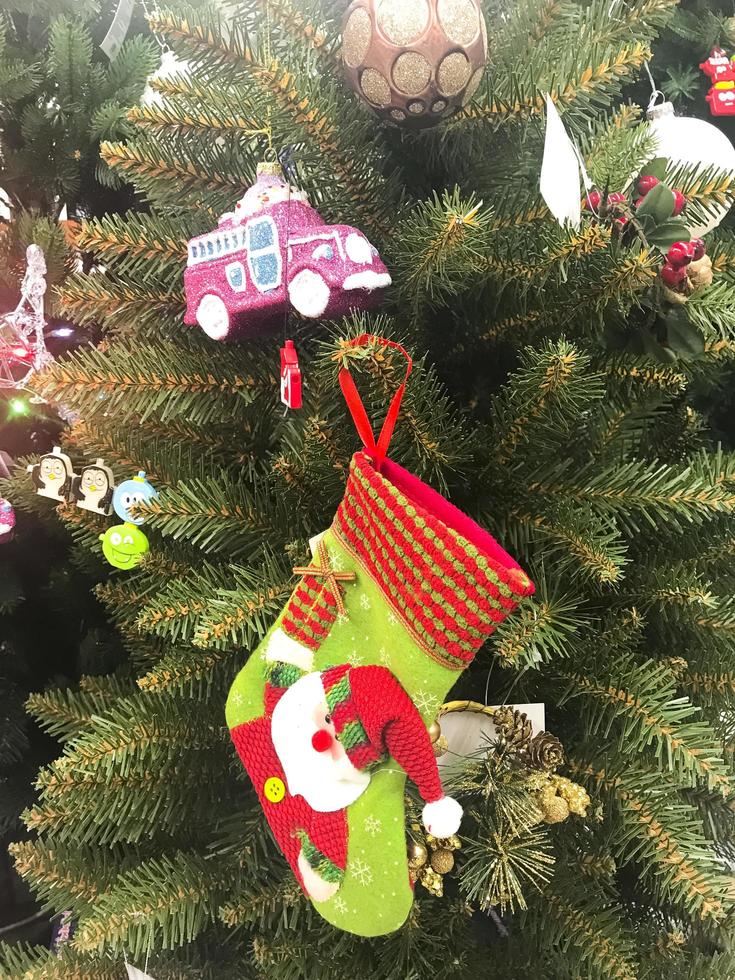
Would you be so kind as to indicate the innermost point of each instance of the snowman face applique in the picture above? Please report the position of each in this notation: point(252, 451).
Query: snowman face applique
point(314, 761)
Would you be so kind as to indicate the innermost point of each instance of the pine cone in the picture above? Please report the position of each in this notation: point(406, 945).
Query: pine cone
point(545, 751)
point(512, 726)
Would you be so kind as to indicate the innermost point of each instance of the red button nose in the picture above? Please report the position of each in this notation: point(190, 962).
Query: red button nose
point(322, 740)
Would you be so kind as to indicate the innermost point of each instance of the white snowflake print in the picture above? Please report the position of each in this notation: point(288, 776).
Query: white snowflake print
point(364, 601)
point(342, 619)
point(336, 562)
point(392, 618)
point(425, 702)
point(237, 698)
point(384, 657)
point(340, 905)
point(363, 874)
point(356, 659)
point(372, 825)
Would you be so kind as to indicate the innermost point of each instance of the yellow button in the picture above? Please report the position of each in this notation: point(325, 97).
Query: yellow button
point(274, 789)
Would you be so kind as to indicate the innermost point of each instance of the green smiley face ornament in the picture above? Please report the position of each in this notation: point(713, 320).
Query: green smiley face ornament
point(124, 545)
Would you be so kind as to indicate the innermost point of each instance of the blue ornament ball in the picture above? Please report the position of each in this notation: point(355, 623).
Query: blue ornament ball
point(129, 494)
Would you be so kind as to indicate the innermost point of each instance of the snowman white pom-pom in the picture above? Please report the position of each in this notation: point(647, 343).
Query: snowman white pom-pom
point(442, 817)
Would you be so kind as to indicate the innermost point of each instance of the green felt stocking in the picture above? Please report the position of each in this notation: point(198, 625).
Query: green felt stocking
point(418, 587)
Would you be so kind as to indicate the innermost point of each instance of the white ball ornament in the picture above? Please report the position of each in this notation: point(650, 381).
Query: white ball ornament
point(694, 142)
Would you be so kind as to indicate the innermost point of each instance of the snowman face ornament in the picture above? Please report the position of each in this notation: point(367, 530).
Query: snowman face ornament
point(129, 494)
point(53, 475)
point(314, 762)
point(94, 488)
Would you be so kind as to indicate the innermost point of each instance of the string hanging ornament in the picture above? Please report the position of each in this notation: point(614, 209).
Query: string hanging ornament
point(22, 342)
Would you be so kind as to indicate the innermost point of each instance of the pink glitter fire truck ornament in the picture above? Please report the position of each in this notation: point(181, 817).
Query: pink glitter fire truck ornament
point(7, 521)
point(274, 250)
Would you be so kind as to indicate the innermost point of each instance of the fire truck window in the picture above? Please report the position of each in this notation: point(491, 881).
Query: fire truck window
point(265, 270)
point(210, 248)
point(236, 275)
point(261, 235)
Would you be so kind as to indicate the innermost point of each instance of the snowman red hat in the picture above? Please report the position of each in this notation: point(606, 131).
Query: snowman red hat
point(373, 717)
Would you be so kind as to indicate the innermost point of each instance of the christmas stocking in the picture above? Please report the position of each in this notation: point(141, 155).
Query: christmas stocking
point(332, 714)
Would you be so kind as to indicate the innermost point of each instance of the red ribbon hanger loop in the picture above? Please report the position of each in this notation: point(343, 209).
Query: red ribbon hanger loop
point(378, 450)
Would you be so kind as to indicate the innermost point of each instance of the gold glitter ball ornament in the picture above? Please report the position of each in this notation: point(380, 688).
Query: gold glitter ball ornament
point(418, 855)
point(442, 861)
point(435, 730)
point(576, 796)
point(414, 62)
point(555, 809)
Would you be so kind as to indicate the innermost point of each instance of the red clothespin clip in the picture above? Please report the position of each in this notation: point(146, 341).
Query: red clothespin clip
point(721, 98)
point(718, 67)
point(290, 376)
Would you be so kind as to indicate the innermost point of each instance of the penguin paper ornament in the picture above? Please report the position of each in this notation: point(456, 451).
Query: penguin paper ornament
point(53, 476)
point(94, 487)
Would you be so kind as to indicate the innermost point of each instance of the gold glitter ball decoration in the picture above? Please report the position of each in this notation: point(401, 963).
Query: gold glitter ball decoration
point(555, 809)
point(442, 861)
point(414, 62)
point(418, 855)
point(434, 730)
point(576, 796)
point(557, 797)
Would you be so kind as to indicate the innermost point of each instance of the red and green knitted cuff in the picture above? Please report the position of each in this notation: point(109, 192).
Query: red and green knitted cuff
point(447, 579)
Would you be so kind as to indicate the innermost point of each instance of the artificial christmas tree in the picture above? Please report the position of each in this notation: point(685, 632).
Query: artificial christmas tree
point(552, 401)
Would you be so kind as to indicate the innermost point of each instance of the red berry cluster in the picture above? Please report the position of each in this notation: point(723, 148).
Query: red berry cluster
point(678, 257)
point(614, 201)
point(645, 184)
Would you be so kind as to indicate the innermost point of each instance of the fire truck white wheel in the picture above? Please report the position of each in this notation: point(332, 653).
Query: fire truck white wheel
point(212, 317)
point(309, 294)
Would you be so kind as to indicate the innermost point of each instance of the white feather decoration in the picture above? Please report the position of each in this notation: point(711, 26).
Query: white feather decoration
point(560, 184)
point(134, 974)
